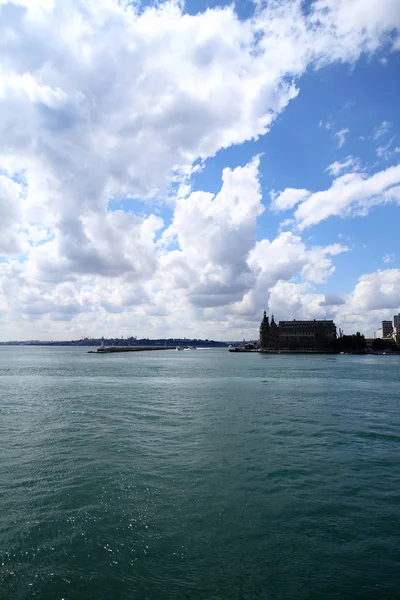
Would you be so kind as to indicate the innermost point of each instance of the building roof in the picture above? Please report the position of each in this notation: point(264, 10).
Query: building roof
point(306, 323)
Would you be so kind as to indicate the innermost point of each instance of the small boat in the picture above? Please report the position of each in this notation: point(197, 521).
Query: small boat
point(179, 348)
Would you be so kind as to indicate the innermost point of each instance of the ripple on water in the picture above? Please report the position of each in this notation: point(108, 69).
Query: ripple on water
point(198, 476)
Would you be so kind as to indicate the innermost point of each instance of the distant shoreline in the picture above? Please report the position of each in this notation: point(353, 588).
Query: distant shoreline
point(116, 343)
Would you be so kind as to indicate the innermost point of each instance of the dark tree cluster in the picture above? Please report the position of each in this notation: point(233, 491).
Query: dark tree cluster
point(381, 345)
point(350, 343)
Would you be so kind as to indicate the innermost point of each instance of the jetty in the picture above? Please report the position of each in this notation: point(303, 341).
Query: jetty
point(111, 349)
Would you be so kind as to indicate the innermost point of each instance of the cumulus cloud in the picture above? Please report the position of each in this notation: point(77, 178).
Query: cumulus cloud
point(91, 91)
point(215, 234)
point(11, 194)
point(290, 300)
point(375, 297)
point(332, 300)
point(282, 259)
point(105, 104)
point(379, 290)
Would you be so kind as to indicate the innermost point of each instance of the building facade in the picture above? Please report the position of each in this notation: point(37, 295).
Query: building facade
point(396, 328)
point(296, 336)
point(387, 329)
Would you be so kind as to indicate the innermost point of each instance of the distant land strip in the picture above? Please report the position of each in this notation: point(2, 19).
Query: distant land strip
point(124, 342)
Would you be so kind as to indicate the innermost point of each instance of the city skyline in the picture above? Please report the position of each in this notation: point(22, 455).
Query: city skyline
point(252, 165)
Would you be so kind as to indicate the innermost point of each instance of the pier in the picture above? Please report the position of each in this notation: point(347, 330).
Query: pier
point(111, 349)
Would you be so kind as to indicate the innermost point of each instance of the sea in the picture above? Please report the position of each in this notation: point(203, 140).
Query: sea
point(198, 475)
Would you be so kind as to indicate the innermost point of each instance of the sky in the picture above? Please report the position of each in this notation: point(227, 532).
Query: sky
point(172, 169)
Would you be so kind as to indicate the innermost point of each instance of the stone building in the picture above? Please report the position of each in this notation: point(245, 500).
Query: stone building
point(296, 336)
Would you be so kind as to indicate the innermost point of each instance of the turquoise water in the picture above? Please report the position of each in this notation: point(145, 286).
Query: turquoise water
point(198, 475)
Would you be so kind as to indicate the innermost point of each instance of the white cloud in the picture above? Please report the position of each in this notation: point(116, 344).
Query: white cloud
point(289, 300)
point(341, 136)
point(349, 164)
point(326, 125)
point(377, 291)
point(332, 300)
point(382, 129)
point(215, 235)
point(282, 259)
point(355, 24)
point(352, 193)
point(388, 258)
point(386, 152)
point(101, 101)
point(119, 268)
point(11, 209)
point(121, 107)
point(375, 297)
point(287, 199)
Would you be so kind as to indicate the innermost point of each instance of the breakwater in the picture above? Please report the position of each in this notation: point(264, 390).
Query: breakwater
point(129, 349)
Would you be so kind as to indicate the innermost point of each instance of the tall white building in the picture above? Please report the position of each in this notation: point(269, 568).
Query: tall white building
point(396, 328)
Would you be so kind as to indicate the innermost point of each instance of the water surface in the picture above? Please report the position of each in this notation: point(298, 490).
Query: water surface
point(198, 475)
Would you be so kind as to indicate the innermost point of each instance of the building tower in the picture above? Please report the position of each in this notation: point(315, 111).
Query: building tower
point(274, 334)
point(264, 331)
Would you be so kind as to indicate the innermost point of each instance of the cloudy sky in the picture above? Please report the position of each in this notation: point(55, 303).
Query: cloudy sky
point(172, 169)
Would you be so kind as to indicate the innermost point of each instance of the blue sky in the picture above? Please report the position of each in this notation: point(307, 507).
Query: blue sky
point(175, 169)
